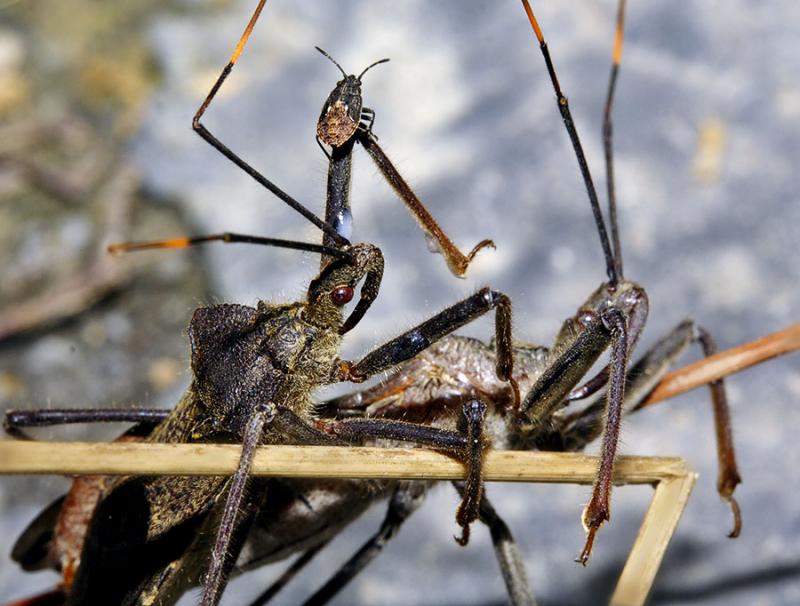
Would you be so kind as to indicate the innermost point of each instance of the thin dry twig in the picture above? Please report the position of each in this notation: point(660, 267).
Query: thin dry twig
point(85, 458)
point(673, 480)
point(655, 533)
point(725, 363)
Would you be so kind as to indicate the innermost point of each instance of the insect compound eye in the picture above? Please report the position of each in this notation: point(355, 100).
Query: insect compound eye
point(342, 295)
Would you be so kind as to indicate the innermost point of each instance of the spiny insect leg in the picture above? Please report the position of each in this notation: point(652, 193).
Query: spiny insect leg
point(467, 448)
point(412, 342)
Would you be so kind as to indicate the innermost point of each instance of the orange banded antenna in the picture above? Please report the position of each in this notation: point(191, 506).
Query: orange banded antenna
point(123, 247)
point(612, 264)
point(608, 135)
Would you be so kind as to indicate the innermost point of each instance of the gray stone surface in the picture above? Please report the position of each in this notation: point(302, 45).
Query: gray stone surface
point(467, 113)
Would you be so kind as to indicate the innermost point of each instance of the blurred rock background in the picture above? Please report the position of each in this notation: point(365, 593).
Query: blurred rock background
point(707, 129)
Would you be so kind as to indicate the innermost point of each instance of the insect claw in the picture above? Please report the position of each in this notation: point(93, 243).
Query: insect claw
point(728, 480)
point(479, 246)
point(737, 517)
point(587, 548)
point(594, 515)
point(464, 538)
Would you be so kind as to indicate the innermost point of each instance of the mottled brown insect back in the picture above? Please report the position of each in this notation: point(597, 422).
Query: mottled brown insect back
point(336, 126)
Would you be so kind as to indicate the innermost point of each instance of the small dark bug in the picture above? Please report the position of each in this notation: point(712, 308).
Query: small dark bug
point(343, 110)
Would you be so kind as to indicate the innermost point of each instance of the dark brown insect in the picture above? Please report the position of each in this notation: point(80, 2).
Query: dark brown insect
point(343, 110)
point(254, 371)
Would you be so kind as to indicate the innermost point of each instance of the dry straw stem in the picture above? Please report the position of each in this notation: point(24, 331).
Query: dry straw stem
point(725, 363)
point(671, 476)
point(658, 526)
point(77, 458)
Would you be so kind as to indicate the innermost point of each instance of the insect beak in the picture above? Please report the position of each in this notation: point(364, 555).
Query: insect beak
point(369, 291)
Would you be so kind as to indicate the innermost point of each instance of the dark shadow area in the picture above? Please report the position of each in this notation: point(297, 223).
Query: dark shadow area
point(600, 582)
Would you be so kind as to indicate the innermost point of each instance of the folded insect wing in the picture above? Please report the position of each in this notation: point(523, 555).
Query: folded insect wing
point(117, 555)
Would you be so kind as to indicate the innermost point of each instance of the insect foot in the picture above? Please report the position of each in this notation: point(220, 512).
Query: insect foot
point(596, 512)
point(727, 482)
point(469, 508)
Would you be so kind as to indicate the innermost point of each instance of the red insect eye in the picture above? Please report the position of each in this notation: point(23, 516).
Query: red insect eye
point(342, 295)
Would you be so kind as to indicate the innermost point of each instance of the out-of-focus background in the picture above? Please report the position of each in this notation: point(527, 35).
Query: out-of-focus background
point(96, 101)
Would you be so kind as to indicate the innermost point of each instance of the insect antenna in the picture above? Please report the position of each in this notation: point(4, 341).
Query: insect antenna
point(228, 238)
point(608, 134)
point(566, 115)
point(332, 60)
point(369, 67)
point(366, 69)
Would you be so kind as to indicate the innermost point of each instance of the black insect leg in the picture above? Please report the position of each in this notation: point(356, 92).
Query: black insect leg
point(584, 426)
point(468, 509)
point(728, 477)
point(549, 392)
point(412, 342)
point(466, 447)
point(367, 119)
point(407, 498)
point(599, 508)
point(16, 420)
point(216, 576)
point(225, 151)
point(512, 565)
point(285, 422)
